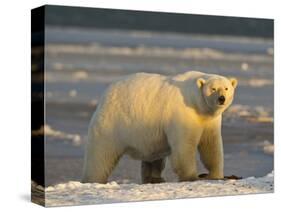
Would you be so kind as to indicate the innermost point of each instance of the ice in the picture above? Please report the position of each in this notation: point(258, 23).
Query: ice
point(80, 75)
point(253, 114)
point(150, 51)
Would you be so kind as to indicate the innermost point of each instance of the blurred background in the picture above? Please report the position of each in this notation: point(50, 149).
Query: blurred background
point(86, 49)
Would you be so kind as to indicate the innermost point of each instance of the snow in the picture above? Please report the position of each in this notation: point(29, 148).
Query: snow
point(244, 66)
point(72, 93)
point(268, 147)
point(76, 193)
point(260, 82)
point(75, 139)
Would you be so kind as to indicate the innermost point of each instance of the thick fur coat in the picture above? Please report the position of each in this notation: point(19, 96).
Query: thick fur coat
point(151, 116)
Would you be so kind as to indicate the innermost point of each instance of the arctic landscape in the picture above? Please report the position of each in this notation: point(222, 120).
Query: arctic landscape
point(81, 63)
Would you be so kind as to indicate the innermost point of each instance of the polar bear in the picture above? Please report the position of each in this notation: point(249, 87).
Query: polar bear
point(151, 116)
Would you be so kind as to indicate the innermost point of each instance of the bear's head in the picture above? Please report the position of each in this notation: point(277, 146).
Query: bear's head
point(217, 92)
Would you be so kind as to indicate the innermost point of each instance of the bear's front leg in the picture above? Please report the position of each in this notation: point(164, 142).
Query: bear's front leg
point(183, 161)
point(183, 153)
point(211, 151)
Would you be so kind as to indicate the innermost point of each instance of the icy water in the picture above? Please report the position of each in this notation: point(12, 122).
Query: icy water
point(81, 63)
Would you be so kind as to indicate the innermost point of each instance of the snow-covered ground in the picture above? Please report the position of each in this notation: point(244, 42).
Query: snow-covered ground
point(76, 193)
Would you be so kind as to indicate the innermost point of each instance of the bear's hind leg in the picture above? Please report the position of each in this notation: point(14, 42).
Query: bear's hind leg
point(151, 171)
point(99, 163)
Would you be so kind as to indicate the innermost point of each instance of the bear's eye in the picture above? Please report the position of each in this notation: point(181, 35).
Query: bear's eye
point(213, 89)
point(226, 89)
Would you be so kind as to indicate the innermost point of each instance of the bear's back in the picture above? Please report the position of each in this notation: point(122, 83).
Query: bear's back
point(133, 108)
point(135, 98)
point(136, 94)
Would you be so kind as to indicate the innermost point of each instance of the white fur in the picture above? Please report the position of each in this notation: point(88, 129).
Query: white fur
point(151, 116)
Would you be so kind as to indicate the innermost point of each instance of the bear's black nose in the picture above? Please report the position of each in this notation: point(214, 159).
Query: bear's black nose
point(221, 100)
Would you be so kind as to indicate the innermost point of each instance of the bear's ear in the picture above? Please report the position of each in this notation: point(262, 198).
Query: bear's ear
point(200, 82)
point(233, 82)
